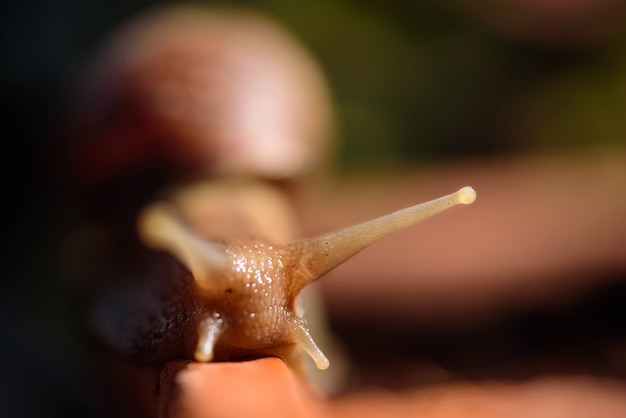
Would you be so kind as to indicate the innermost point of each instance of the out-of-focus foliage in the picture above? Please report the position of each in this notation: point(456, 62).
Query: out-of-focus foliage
point(415, 80)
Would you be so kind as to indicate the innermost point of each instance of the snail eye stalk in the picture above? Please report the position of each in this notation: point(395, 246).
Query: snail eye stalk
point(318, 255)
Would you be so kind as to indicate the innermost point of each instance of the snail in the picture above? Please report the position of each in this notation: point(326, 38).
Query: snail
point(227, 108)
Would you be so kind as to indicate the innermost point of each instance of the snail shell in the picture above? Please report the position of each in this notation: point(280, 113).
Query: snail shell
point(221, 91)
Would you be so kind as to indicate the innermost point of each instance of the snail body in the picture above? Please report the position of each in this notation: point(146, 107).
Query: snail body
point(250, 288)
point(235, 298)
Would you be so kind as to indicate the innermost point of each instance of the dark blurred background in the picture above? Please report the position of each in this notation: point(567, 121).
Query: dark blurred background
point(414, 82)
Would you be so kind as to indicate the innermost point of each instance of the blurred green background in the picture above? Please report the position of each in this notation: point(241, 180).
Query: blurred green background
point(413, 82)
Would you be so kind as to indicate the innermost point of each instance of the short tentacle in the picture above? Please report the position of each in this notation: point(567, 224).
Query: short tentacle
point(209, 330)
point(160, 227)
point(303, 339)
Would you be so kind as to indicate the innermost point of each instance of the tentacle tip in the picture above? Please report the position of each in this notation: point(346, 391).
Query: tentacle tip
point(151, 224)
point(322, 363)
point(317, 355)
point(203, 357)
point(466, 195)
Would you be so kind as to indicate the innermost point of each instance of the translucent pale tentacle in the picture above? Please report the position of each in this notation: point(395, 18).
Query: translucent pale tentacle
point(160, 227)
point(303, 339)
point(209, 331)
point(318, 255)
